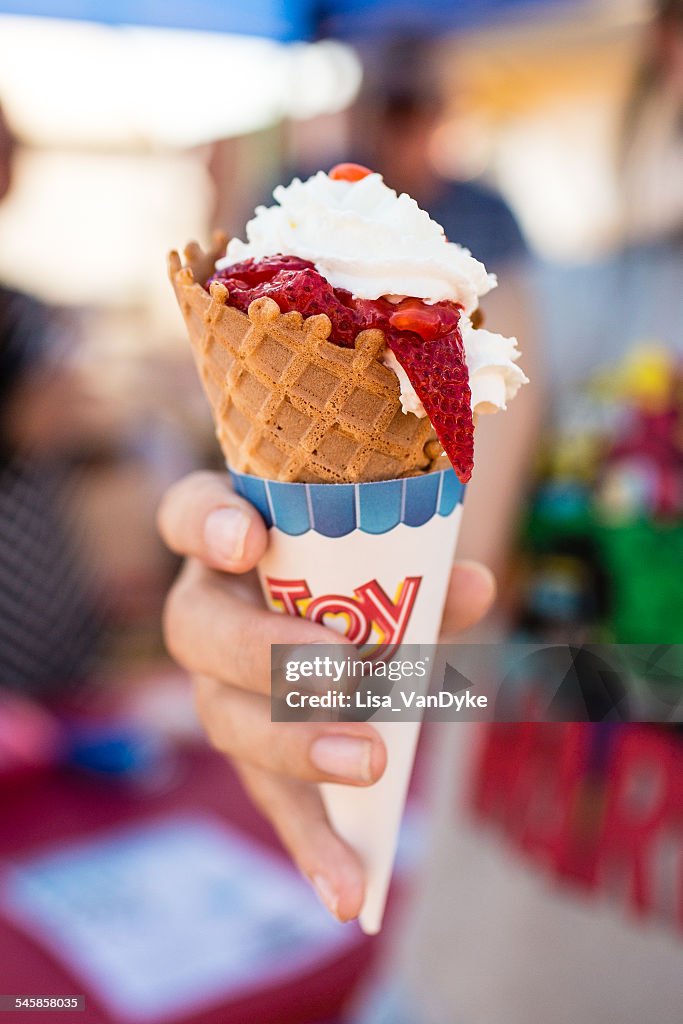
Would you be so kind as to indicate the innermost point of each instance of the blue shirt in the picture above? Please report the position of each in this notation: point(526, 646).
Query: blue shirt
point(481, 220)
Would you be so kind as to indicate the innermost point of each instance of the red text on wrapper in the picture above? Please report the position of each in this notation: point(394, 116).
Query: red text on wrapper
point(370, 614)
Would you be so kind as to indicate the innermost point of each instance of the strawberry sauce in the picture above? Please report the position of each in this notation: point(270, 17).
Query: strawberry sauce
point(424, 338)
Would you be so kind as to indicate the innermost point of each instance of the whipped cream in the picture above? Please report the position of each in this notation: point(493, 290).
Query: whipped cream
point(409, 400)
point(491, 360)
point(363, 237)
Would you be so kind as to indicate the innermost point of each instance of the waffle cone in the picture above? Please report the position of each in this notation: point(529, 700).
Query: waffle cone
point(287, 403)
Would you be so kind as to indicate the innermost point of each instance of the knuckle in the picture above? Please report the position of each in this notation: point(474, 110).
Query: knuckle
point(162, 515)
point(220, 732)
point(215, 714)
point(174, 617)
point(261, 791)
point(201, 481)
point(191, 487)
point(203, 704)
point(201, 707)
point(166, 509)
point(286, 756)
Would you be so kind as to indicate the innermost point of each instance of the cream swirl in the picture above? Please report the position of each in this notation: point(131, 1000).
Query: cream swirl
point(491, 360)
point(364, 237)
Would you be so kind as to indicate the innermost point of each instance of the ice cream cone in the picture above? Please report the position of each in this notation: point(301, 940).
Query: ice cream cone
point(288, 404)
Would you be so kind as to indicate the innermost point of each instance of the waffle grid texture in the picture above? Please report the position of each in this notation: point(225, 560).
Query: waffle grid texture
point(287, 403)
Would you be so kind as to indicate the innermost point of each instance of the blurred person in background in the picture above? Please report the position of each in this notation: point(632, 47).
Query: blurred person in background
point(392, 131)
point(48, 619)
point(391, 128)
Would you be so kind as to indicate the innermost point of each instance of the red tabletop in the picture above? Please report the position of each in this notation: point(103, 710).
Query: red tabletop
point(39, 811)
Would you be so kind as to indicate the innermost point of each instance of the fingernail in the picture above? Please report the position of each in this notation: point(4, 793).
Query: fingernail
point(326, 893)
point(225, 532)
point(304, 652)
point(347, 757)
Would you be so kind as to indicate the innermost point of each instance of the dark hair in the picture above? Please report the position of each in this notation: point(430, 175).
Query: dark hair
point(402, 106)
point(669, 10)
point(402, 79)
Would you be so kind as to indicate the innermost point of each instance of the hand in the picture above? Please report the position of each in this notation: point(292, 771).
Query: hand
point(216, 626)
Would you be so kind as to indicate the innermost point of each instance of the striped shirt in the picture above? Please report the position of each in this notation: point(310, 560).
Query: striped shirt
point(48, 627)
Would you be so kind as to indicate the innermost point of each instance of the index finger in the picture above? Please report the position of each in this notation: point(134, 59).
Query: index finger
point(201, 516)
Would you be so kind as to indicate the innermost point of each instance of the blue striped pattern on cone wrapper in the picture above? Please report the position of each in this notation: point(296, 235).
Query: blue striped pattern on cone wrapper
point(334, 510)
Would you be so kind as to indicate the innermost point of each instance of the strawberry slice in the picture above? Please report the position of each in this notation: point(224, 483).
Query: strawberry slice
point(438, 372)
